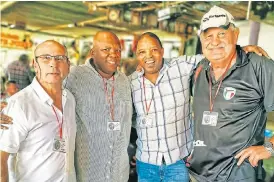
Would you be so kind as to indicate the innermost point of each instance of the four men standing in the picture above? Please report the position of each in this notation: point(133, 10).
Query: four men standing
point(160, 94)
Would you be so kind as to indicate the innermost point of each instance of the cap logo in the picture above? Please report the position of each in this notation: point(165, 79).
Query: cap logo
point(213, 16)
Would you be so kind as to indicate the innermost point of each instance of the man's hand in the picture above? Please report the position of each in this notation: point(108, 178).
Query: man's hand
point(254, 154)
point(256, 49)
point(4, 119)
point(3, 105)
point(133, 161)
point(188, 160)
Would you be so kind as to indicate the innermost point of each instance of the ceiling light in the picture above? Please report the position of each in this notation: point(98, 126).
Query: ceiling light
point(70, 25)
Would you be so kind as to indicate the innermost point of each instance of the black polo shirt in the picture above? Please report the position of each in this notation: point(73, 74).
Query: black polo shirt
point(246, 94)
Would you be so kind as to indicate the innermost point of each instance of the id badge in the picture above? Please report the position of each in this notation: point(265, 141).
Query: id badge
point(113, 126)
point(146, 122)
point(210, 118)
point(59, 145)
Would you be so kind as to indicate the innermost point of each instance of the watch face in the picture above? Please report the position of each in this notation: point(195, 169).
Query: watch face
point(113, 15)
point(268, 145)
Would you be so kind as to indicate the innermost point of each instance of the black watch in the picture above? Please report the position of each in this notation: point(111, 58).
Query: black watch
point(269, 146)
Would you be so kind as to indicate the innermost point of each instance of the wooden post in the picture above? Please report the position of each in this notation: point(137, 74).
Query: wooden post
point(254, 32)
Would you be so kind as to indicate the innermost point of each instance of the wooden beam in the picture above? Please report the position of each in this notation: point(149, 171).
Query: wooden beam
point(82, 23)
point(6, 5)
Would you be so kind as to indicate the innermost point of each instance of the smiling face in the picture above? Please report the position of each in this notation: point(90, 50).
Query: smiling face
point(51, 70)
point(150, 54)
point(219, 44)
point(106, 53)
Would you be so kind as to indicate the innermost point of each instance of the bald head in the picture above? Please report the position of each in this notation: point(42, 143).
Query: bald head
point(52, 44)
point(105, 36)
point(106, 53)
point(51, 71)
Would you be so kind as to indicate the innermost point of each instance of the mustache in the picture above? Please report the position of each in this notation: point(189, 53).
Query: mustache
point(210, 47)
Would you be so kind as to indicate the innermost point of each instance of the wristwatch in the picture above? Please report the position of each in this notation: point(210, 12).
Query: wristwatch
point(269, 146)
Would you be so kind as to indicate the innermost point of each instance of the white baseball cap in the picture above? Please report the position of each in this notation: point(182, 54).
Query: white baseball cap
point(216, 17)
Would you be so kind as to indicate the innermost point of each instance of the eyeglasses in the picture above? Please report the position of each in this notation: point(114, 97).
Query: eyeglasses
point(47, 58)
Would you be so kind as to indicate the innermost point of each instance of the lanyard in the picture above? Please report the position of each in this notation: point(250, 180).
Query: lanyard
point(147, 105)
point(211, 101)
point(60, 124)
point(110, 100)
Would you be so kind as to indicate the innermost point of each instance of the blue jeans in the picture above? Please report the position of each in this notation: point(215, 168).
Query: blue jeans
point(176, 172)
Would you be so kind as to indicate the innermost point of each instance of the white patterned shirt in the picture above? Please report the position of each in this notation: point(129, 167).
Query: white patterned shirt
point(100, 155)
point(169, 133)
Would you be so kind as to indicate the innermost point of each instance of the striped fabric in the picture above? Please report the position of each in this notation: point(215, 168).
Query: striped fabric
point(20, 73)
point(169, 134)
point(100, 155)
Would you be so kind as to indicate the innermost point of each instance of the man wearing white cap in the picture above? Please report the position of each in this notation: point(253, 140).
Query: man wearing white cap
point(233, 91)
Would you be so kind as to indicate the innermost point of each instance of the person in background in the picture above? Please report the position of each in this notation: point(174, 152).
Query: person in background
point(42, 136)
point(10, 89)
point(232, 93)
point(20, 72)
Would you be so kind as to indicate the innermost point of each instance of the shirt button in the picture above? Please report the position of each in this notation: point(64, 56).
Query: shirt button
point(109, 162)
point(110, 146)
point(107, 177)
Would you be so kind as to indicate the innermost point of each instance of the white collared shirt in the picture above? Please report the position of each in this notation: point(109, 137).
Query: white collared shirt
point(32, 134)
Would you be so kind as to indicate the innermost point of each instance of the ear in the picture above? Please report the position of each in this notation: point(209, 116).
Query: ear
point(162, 52)
point(91, 52)
point(68, 65)
point(34, 64)
point(236, 34)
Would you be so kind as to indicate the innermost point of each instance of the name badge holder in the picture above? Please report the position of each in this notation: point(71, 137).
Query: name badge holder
point(210, 118)
point(113, 126)
point(59, 145)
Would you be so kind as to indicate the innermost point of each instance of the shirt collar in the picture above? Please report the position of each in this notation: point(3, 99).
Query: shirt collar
point(42, 94)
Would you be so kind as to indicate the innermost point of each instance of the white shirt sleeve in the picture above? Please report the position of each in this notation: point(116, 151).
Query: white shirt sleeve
point(10, 139)
point(191, 61)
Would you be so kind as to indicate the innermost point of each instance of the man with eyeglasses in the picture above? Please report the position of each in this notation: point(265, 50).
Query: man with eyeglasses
point(43, 132)
point(103, 112)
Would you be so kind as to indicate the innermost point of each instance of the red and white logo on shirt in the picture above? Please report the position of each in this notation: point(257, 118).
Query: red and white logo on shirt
point(229, 93)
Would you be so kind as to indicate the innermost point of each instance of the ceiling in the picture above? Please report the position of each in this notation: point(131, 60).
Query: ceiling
point(81, 19)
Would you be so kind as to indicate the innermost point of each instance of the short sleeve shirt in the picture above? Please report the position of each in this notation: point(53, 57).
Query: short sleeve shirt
point(241, 103)
point(31, 136)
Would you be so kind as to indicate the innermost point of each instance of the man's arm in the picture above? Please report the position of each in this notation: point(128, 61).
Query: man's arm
point(256, 49)
point(4, 166)
point(265, 73)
